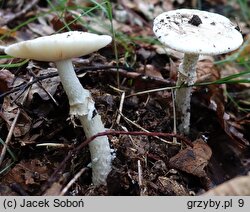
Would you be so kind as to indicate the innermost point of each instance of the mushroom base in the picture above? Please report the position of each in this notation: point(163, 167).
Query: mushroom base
point(99, 149)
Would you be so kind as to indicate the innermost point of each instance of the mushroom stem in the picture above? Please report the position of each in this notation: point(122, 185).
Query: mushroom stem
point(99, 149)
point(82, 106)
point(80, 100)
point(186, 76)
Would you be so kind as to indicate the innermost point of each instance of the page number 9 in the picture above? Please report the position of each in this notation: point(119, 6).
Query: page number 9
point(241, 203)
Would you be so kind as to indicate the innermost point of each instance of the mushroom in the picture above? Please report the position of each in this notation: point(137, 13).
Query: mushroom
point(194, 32)
point(61, 48)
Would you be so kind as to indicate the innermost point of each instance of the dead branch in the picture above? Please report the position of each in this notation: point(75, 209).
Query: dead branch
point(123, 71)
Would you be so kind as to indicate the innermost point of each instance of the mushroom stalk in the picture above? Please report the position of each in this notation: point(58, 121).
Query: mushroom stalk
point(80, 100)
point(186, 76)
point(99, 149)
point(82, 106)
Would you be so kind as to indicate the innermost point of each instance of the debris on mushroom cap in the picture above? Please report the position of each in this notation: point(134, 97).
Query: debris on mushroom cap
point(195, 20)
point(59, 46)
point(197, 32)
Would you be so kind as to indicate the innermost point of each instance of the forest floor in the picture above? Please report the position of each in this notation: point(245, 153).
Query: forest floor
point(39, 135)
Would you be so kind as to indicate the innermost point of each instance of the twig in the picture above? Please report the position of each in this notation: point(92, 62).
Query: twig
point(139, 173)
point(66, 188)
point(174, 115)
point(9, 136)
point(126, 72)
point(144, 130)
point(120, 108)
point(121, 103)
point(54, 145)
point(13, 125)
point(98, 67)
point(152, 91)
point(54, 74)
point(41, 86)
point(17, 88)
point(140, 178)
point(54, 176)
point(130, 137)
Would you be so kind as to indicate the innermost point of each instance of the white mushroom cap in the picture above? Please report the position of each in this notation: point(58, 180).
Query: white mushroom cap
point(59, 46)
point(197, 32)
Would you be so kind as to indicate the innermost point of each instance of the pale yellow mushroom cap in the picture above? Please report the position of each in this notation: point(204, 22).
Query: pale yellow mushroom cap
point(58, 47)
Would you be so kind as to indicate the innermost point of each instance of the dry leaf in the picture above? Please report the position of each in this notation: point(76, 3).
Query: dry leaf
point(6, 80)
point(206, 70)
point(27, 173)
point(193, 160)
point(8, 114)
point(49, 84)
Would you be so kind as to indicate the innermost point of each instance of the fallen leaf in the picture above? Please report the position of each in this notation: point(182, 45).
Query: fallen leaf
point(5, 31)
point(193, 160)
point(27, 173)
point(8, 114)
point(206, 71)
point(217, 103)
point(58, 23)
point(6, 80)
point(50, 85)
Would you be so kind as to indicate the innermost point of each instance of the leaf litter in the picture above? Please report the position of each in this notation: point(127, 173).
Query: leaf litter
point(166, 169)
